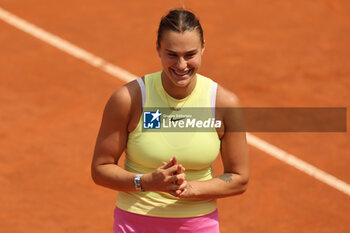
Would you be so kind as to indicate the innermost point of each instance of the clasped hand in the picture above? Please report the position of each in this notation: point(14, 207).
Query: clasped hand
point(170, 178)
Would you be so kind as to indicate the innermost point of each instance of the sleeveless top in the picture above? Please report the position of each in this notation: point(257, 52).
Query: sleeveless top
point(146, 151)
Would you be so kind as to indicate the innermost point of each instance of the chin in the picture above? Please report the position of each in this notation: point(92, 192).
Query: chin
point(182, 80)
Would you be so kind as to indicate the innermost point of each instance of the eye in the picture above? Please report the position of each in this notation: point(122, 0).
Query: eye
point(190, 55)
point(172, 55)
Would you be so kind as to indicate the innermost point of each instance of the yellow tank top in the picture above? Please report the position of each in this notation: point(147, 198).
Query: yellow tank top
point(146, 151)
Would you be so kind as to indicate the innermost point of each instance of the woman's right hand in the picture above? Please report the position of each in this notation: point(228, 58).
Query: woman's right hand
point(170, 177)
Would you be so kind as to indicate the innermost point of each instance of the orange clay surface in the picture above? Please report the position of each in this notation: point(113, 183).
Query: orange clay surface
point(291, 53)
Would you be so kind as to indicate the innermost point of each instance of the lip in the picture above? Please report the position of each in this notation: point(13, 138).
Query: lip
point(182, 76)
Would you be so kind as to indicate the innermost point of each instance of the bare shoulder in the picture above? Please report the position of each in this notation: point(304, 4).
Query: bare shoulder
point(121, 102)
point(229, 110)
point(225, 98)
point(124, 94)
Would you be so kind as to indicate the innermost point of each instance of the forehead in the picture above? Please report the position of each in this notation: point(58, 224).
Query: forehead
point(177, 41)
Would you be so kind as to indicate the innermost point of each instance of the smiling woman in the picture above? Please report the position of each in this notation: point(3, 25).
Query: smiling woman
point(181, 56)
point(179, 195)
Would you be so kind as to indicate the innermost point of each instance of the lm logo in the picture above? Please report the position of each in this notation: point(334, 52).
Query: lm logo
point(151, 120)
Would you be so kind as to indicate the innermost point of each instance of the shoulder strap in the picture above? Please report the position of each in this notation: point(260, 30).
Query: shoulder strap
point(143, 90)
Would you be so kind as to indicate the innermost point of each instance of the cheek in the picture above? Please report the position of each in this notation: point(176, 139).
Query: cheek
point(168, 61)
point(195, 62)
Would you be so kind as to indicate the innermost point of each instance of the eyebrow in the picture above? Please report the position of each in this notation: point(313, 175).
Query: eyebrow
point(191, 51)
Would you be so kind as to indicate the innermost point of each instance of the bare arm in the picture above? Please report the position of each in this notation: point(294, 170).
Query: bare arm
point(111, 142)
point(234, 153)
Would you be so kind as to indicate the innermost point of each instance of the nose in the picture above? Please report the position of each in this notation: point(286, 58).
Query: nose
point(181, 63)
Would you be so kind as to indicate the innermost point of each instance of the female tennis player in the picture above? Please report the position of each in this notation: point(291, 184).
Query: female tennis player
point(167, 184)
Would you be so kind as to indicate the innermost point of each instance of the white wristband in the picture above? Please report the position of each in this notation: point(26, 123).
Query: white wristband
point(137, 182)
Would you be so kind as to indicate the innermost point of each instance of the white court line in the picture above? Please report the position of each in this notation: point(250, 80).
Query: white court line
point(66, 46)
point(124, 75)
point(298, 163)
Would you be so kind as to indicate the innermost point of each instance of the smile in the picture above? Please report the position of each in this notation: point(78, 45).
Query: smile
point(182, 74)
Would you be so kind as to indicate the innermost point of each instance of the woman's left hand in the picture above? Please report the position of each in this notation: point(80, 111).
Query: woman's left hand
point(189, 191)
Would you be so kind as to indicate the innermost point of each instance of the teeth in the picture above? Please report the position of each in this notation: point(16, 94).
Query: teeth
point(181, 74)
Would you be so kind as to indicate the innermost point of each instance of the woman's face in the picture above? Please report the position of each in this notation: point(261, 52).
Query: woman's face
point(181, 56)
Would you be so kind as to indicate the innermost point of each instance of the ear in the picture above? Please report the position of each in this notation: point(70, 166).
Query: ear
point(158, 49)
point(202, 52)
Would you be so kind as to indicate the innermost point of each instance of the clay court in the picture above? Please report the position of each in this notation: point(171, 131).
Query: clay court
point(290, 53)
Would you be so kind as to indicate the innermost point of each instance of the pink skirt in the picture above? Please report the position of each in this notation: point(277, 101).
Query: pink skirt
point(126, 222)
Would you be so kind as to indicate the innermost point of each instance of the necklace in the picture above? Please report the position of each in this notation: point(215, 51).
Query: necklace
point(174, 108)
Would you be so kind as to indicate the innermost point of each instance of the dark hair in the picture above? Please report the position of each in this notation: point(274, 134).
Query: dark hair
point(179, 20)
